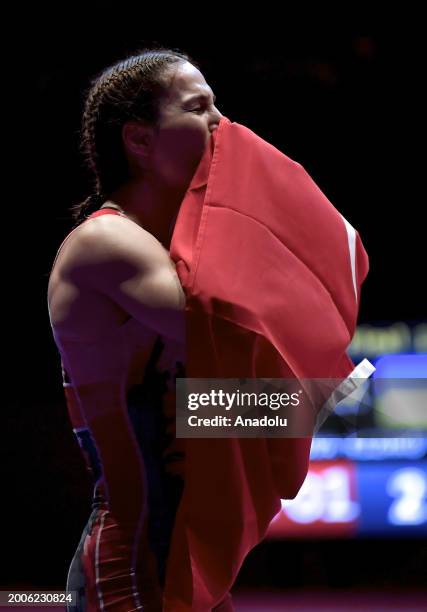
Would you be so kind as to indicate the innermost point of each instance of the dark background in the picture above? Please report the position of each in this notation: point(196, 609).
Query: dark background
point(336, 93)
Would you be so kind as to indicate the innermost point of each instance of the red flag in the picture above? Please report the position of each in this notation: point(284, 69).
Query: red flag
point(272, 274)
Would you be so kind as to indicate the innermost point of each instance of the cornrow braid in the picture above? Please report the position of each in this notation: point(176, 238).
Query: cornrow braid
point(127, 90)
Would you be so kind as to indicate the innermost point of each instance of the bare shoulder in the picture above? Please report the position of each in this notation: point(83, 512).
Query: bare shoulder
point(112, 236)
point(115, 243)
point(112, 258)
point(113, 228)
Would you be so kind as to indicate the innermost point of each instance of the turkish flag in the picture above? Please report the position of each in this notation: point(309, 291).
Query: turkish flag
point(272, 275)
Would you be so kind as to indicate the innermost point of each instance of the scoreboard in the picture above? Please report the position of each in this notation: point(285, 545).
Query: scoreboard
point(348, 499)
point(363, 486)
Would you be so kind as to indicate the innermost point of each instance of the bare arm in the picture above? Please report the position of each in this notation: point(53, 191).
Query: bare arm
point(121, 260)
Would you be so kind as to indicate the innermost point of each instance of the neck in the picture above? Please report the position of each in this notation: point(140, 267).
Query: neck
point(155, 208)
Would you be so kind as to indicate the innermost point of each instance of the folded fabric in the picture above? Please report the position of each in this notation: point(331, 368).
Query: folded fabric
point(272, 275)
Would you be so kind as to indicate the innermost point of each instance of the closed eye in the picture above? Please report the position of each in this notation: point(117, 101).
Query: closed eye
point(204, 104)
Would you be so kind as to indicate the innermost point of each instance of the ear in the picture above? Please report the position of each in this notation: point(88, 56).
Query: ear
point(138, 137)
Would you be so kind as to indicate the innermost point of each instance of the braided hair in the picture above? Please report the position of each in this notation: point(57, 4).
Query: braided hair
point(127, 90)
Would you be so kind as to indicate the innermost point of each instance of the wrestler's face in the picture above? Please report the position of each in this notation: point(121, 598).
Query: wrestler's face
point(188, 116)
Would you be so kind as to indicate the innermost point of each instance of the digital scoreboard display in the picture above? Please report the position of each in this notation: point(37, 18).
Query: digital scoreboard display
point(349, 499)
point(365, 486)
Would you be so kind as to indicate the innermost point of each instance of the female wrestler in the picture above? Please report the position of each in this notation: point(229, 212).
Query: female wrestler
point(117, 314)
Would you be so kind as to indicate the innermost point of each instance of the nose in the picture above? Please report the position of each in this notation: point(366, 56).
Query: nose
point(217, 116)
